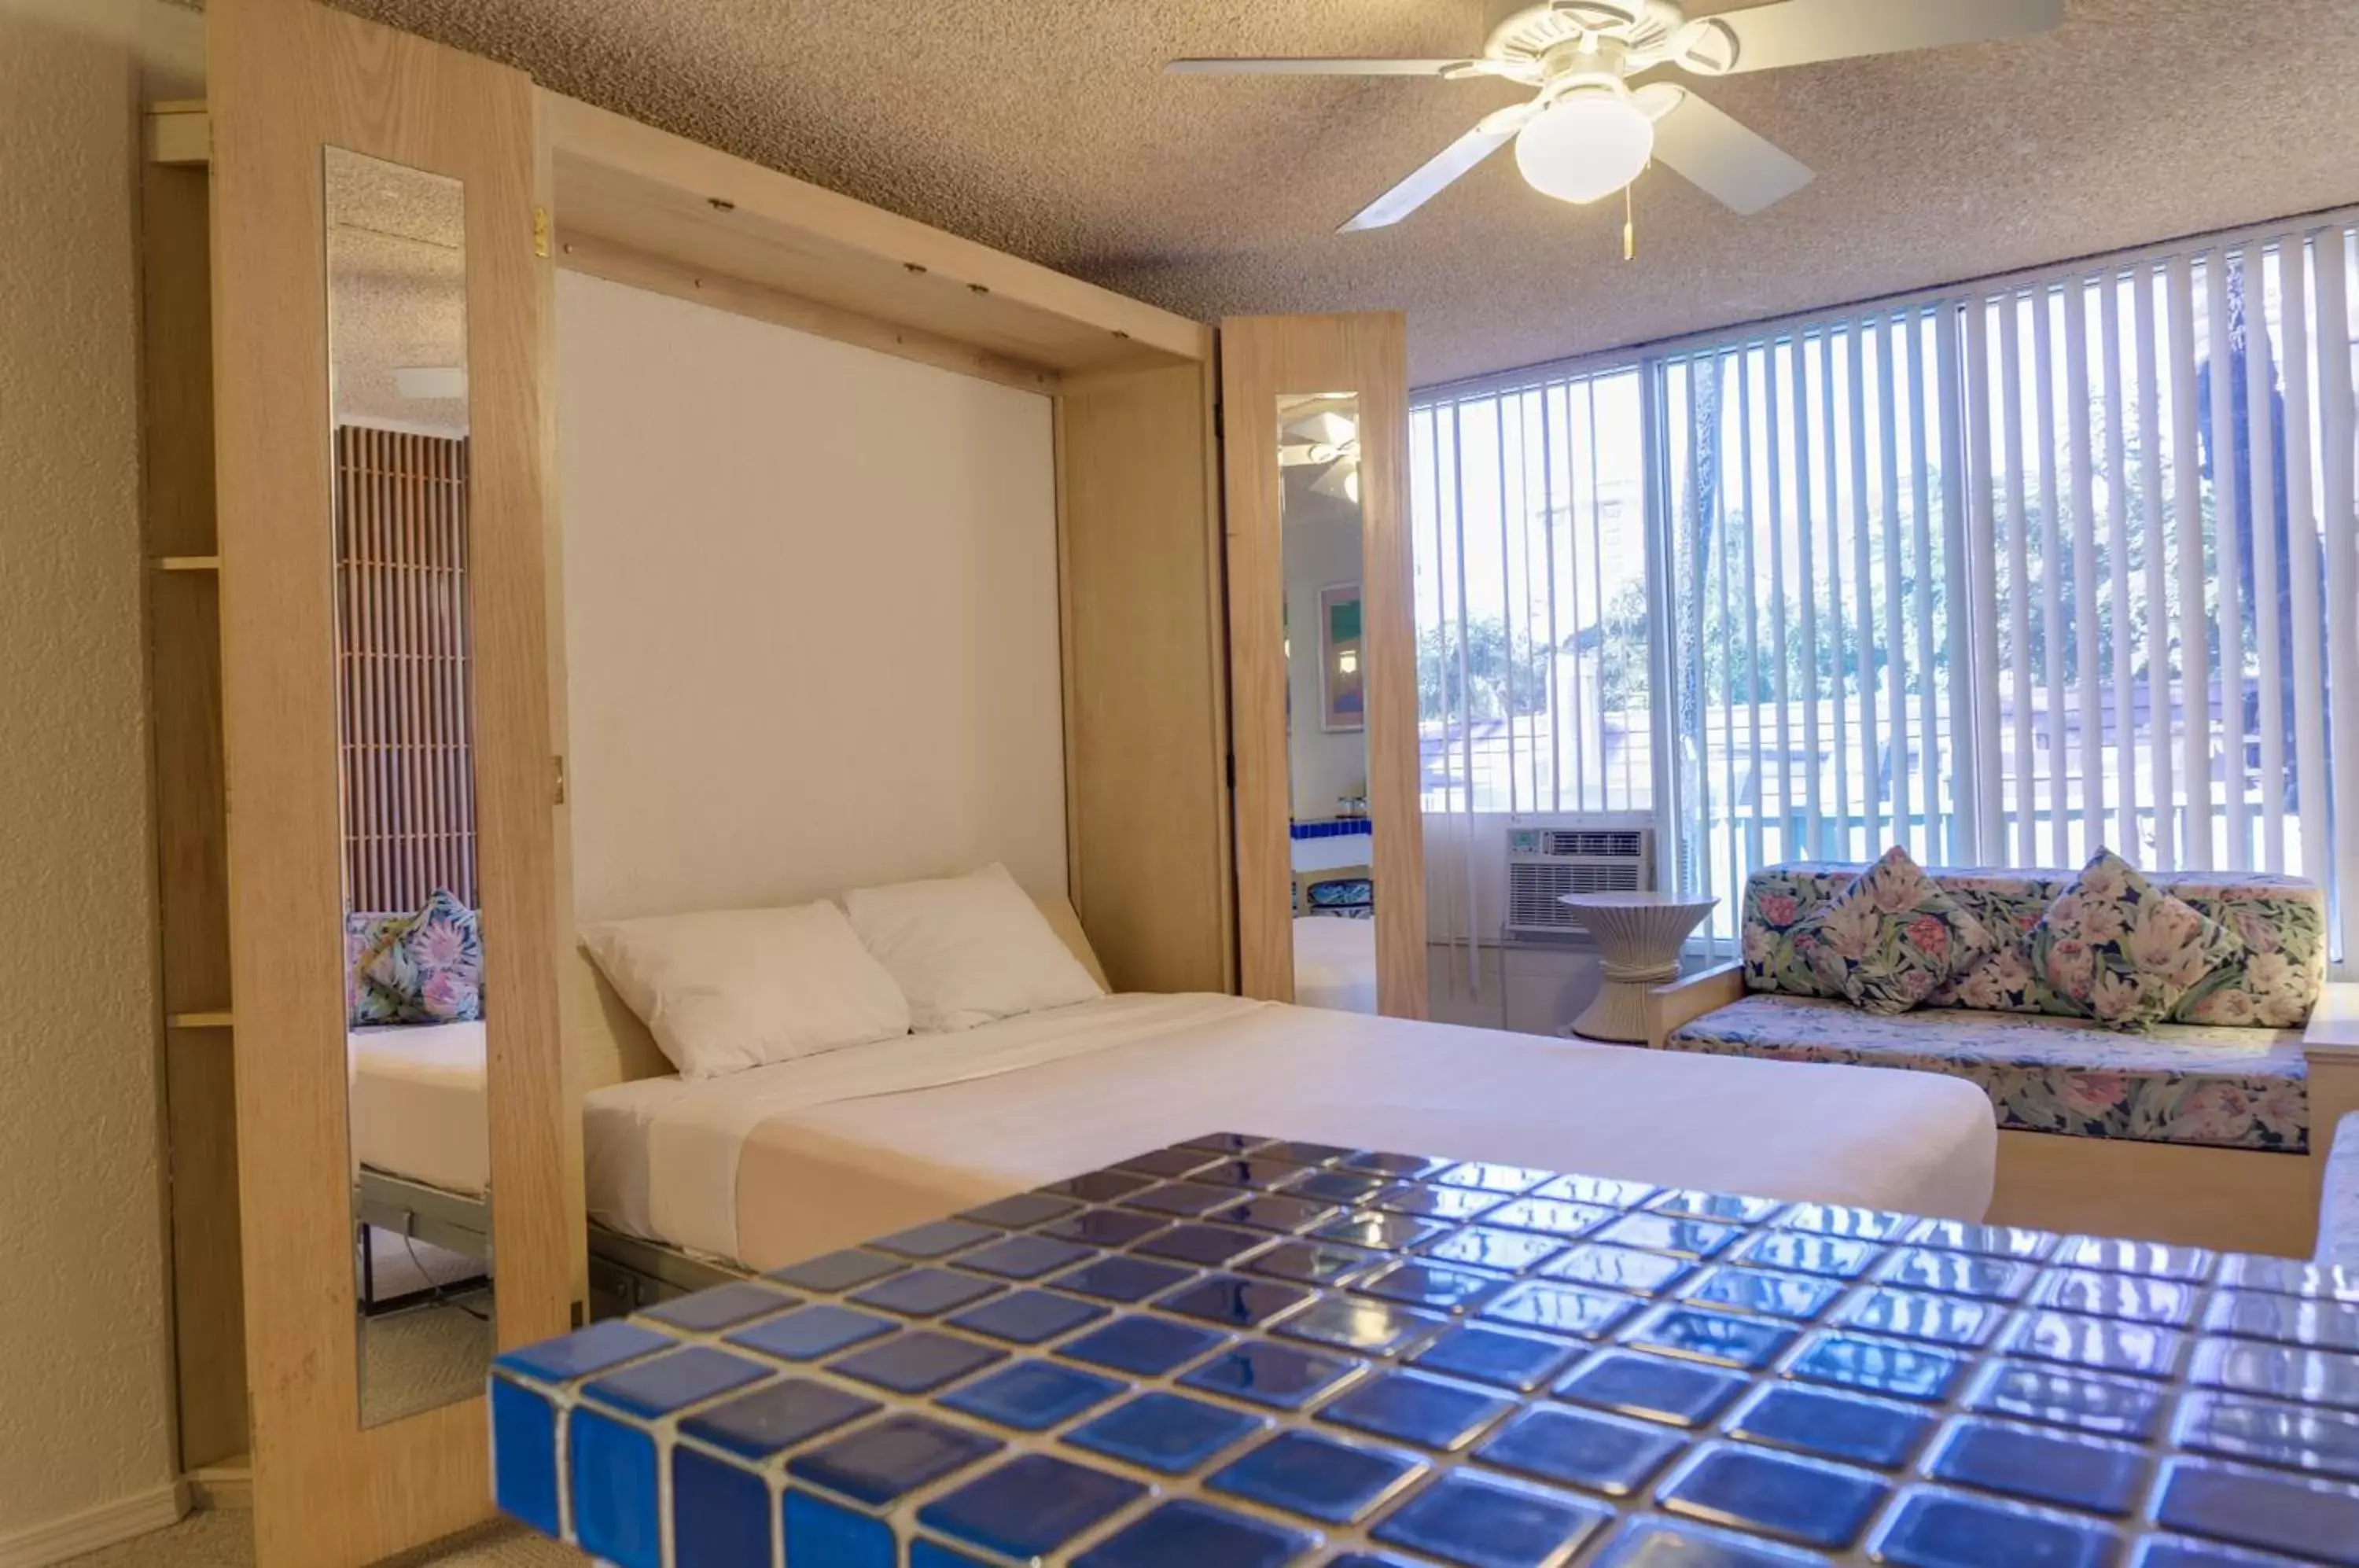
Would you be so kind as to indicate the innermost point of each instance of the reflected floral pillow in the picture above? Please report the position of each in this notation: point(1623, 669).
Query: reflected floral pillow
point(1892, 938)
point(2120, 950)
point(426, 968)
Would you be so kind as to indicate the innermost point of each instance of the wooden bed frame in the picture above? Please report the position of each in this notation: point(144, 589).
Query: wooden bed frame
point(2234, 1199)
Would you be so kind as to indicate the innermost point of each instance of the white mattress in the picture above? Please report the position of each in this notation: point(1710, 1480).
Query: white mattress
point(418, 1107)
point(1335, 964)
point(882, 1136)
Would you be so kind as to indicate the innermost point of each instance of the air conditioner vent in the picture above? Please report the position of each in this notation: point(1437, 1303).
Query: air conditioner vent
point(1586, 853)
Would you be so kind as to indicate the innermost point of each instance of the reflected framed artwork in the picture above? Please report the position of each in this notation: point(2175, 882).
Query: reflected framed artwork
point(1343, 703)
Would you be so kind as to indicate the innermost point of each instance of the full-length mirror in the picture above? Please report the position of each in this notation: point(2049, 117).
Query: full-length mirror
point(1320, 538)
point(421, 1147)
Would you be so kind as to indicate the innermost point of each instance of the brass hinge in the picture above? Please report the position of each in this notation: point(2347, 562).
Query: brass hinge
point(556, 765)
point(540, 232)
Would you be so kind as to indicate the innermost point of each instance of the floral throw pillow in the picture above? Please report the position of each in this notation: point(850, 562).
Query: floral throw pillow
point(1892, 938)
point(2121, 949)
point(426, 968)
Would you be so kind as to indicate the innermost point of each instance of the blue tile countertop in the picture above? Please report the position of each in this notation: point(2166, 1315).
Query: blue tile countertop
point(1242, 1353)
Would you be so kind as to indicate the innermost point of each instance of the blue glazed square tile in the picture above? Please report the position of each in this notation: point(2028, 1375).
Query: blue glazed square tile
point(2163, 1552)
point(1277, 1212)
point(1103, 1227)
point(1233, 1300)
point(1600, 1190)
point(1619, 1268)
point(1672, 1391)
point(1448, 1203)
point(1024, 1256)
point(1804, 1500)
point(1832, 1426)
point(1958, 1321)
point(836, 1270)
point(2101, 1345)
point(1662, 1232)
point(772, 1420)
point(1400, 1167)
point(1878, 1367)
point(2292, 1437)
point(1371, 1227)
point(721, 1515)
point(1027, 1317)
point(1803, 1252)
point(1496, 1355)
point(1732, 1207)
point(1100, 1186)
point(654, 1388)
point(1315, 1263)
point(1724, 1339)
point(1798, 1297)
point(1144, 1346)
point(1260, 1173)
point(1185, 1533)
point(2165, 1302)
point(1165, 1432)
point(1225, 1142)
point(891, 1458)
point(611, 1477)
point(1547, 1217)
point(2111, 1406)
point(2316, 1520)
point(1368, 1560)
point(1177, 1161)
point(585, 1354)
point(1479, 1522)
point(939, 1239)
point(816, 1530)
point(2046, 1466)
point(1958, 1274)
point(2285, 1320)
point(1668, 1544)
point(524, 1456)
point(1411, 1408)
point(1278, 1376)
point(2289, 1277)
point(1508, 1251)
point(1992, 1241)
point(1578, 1448)
point(925, 1293)
point(2250, 1367)
point(1318, 1477)
point(1933, 1529)
point(1184, 1198)
point(2189, 1265)
point(812, 1332)
point(1434, 1286)
point(1372, 1328)
point(1021, 1211)
point(1030, 1506)
point(1510, 1180)
point(1299, 1153)
point(917, 1361)
point(723, 1306)
point(1032, 1396)
point(1836, 1220)
point(1122, 1279)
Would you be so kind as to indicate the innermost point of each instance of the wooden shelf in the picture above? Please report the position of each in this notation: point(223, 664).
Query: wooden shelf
point(187, 563)
point(198, 1021)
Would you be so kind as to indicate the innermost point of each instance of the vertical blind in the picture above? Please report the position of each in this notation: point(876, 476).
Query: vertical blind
point(1999, 576)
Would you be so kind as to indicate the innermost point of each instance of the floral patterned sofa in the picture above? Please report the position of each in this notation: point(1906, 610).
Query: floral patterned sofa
point(2228, 1072)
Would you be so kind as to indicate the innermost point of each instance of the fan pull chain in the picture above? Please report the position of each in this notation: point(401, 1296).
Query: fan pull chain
point(1629, 223)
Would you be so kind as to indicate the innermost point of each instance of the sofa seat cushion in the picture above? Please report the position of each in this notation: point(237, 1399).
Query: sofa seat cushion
point(2228, 1088)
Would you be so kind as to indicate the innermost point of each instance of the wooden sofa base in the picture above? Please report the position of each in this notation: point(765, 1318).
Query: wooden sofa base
point(2233, 1199)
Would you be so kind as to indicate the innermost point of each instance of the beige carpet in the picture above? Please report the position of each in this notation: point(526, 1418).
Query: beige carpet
point(224, 1539)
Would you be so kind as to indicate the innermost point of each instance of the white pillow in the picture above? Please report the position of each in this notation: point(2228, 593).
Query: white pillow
point(967, 950)
point(729, 989)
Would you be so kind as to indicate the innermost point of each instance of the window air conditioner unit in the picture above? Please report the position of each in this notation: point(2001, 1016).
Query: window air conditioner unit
point(1582, 851)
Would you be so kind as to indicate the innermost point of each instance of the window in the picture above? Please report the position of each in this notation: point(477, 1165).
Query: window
point(2000, 576)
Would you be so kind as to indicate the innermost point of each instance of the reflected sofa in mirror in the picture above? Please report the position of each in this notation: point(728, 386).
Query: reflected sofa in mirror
point(417, 1121)
point(1330, 844)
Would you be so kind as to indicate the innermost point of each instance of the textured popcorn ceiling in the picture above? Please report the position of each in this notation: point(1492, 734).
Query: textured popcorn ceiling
point(1046, 128)
point(397, 275)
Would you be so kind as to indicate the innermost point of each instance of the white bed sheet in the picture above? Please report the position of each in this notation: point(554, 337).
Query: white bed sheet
point(1335, 964)
point(417, 1104)
point(959, 1118)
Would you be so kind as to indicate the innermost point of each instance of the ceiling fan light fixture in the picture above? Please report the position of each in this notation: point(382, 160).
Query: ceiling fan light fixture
point(1586, 146)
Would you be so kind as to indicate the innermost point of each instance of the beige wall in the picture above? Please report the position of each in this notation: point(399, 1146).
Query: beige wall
point(811, 606)
point(84, 1407)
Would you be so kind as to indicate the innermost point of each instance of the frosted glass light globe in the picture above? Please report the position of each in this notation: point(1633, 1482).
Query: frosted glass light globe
point(1586, 146)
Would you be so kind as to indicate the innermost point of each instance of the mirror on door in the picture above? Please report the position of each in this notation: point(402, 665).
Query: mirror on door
point(1327, 733)
point(397, 440)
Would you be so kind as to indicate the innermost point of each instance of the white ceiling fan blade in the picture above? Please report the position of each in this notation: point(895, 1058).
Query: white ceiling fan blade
point(1437, 173)
point(1269, 66)
point(1341, 481)
point(1798, 32)
point(1742, 169)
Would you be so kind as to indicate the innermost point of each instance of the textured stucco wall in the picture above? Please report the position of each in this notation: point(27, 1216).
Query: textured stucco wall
point(85, 1407)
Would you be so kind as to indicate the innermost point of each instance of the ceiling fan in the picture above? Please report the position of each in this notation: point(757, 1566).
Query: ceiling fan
point(1588, 132)
point(1329, 440)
